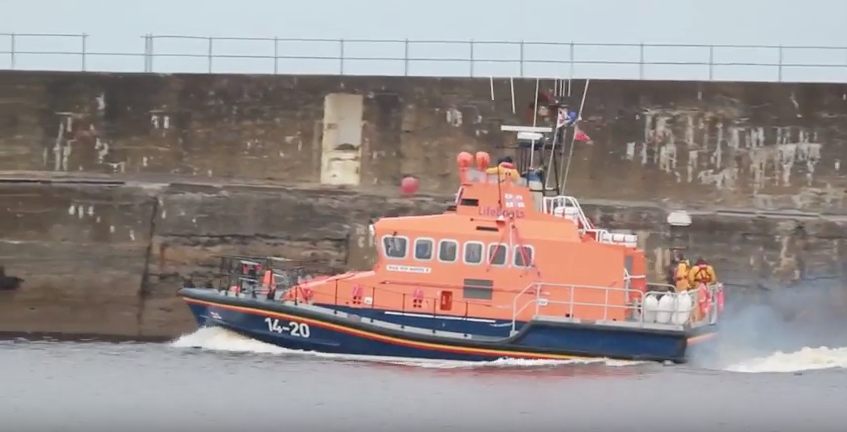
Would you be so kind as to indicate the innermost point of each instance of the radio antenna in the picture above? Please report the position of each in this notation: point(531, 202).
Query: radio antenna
point(573, 137)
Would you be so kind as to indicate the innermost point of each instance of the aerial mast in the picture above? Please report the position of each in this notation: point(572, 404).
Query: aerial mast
point(540, 149)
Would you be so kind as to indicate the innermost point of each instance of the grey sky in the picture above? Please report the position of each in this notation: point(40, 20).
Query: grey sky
point(117, 27)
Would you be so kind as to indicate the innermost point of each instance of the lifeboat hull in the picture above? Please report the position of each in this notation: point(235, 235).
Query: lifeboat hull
point(304, 327)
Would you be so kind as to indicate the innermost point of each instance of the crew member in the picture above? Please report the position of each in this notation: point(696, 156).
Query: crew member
point(702, 273)
point(681, 272)
point(700, 277)
point(671, 273)
point(505, 167)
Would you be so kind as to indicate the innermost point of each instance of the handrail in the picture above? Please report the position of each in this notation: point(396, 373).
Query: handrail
point(438, 285)
point(404, 297)
point(404, 57)
point(658, 289)
point(252, 286)
point(520, 294)
point(585, 226)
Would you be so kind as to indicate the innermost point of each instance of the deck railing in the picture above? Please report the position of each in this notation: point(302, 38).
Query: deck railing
point(403, 57)
point(533, 296)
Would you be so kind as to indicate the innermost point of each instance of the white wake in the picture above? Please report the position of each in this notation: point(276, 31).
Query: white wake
point(218, 339)
point(806, 359)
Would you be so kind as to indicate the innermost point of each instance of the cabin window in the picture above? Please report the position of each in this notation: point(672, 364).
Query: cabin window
point(473, 252)
point(395, 246)
point(478, 289)
point(524, 256)
point(423, 249)
point(497, 254)
point(448, 250)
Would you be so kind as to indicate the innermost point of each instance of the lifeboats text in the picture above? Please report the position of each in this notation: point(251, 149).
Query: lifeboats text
point(497, 212)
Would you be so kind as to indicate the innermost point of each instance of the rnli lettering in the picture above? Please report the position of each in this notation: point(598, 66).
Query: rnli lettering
point(497, 212)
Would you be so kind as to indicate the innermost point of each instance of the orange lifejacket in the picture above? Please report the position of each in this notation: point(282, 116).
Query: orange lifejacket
point(683, 268)
point(701, 274)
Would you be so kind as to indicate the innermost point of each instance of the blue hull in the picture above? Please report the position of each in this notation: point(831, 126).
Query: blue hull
point(422, 336)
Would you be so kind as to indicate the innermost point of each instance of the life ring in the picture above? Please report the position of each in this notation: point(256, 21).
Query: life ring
point(721, 298)
point(704, 299)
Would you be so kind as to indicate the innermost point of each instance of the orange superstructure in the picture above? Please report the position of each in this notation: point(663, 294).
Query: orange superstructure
point(500, 246)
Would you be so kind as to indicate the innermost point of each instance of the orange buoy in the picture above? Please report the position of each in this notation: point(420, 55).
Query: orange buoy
point(464, 160)
point(483, 159)
point(409, 185)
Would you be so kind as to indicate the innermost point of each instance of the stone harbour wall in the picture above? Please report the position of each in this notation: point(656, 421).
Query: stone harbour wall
point(113, 188)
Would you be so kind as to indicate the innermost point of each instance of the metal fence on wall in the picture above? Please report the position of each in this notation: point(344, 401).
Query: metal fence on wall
point(191, 54)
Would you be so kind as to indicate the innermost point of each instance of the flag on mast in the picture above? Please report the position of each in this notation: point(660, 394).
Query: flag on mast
point(579, 135)
point(565, 118)
point(561, 119)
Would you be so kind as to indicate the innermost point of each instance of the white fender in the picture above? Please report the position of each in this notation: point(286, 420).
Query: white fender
point(683, 308)
point(649, 308)
point(667, 305)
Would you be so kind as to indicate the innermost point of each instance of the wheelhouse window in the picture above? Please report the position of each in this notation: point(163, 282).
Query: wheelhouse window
point(423, 249)
point(478, 289)
point(395, 246)
point(473, 252)
point(524, 256)
point(448, 250)
point(497, 254)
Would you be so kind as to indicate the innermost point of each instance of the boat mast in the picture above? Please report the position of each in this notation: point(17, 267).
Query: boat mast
point(575, 124)
point(541, 147)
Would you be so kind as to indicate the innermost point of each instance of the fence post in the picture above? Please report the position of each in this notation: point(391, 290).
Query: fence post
point(276, 55)
point(779, 73)
point(341, 56)
point(470, 48)
point(641, 61)
point(521, 57)
point(146, 53)
point(152, 51)
point(406, 58)
point(210, 54)
point(12, 50)
point(84, 46)
point(573, 46)
point(711, 62)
